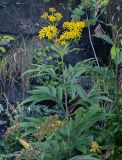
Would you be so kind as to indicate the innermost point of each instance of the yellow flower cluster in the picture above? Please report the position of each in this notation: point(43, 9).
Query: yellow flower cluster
point(44, 15)
point(73, 31)
point(78, 25)
point(52, 9)
point(58, 16)
point(95, 147)
point(12, 129)
point(51, 125)
point(53, 17)
point(48, 32)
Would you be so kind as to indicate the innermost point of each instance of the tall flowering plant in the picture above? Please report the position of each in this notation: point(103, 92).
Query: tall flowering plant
point(62, 81)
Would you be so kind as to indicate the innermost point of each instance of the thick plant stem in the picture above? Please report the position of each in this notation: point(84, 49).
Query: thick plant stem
point(66, 100)
point(65, 92)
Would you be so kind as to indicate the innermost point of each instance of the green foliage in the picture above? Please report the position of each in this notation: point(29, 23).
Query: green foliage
point(88, 157)
point(42, 128)
point(3, 63)
point(5, 39)
point(114, 52)
point(41, 55)
point(1, 108)
point(105, 37)
point(78, 12)
point(11, 144)
point(55, 88)
point(77, 116)
point(8, 156)
point(75, 135)
point(2, 49)
point(63, 138)
point(89, 6)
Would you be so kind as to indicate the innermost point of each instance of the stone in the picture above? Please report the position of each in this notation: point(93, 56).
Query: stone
point(22, 16)
point(4, 3)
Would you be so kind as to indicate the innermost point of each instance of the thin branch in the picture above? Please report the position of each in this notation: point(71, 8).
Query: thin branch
point(92, 44)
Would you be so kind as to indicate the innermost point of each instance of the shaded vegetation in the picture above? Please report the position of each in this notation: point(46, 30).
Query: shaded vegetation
point(52, 109)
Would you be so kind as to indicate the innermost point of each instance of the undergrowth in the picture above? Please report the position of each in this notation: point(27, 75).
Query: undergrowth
point(61, 119)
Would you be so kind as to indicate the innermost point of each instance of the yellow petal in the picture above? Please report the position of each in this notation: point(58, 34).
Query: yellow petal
point(25, 144)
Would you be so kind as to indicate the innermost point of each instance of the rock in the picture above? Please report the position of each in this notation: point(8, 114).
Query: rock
point(4, 3)
point(115, 12)
point(22, 16)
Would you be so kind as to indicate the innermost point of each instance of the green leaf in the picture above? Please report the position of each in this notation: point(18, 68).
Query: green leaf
point(60, 93)
point(2, 49)
point(43, 93)
point(103, 71)
point(97, 98)
point(29, 131)
point(78, 12)
point(81, 92)
point(114, 52)
point(119, 58)
point(105, 37)
point(83, 122)
point(9, 155)
point(38, 98)
point(72, 91)
point(120, 100)
point(87, 157)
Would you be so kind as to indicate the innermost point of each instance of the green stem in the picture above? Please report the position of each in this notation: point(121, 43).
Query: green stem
point(65, 91)
point(66, 98)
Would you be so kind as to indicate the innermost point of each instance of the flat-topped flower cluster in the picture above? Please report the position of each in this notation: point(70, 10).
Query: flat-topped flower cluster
point(70, 30)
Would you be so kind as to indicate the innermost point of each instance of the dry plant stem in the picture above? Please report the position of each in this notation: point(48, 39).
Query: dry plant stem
point(93, 47)
point(9, 106)
point(100, 14)
point(92, 44)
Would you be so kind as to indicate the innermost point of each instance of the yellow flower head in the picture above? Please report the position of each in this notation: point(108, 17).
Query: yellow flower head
point(67, 36)
point(58, 16)
point(25, 144)
point(59, 123)
point(52, 18)
point(74, 25)
point(95, 147)
point(44, 15)
point(61, 42)
point(73, 34)
point(49, 32)
point(68, 25)
point(52, 9)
